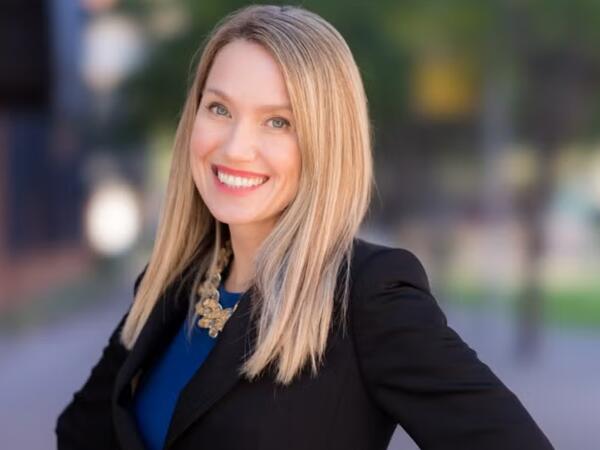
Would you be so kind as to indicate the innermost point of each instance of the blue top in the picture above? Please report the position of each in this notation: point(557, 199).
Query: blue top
point(159, 389)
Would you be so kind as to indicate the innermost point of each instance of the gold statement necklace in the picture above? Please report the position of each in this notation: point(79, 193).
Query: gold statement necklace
point(212, 314)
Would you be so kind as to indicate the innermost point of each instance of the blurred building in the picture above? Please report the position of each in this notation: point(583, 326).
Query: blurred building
point(41, 105)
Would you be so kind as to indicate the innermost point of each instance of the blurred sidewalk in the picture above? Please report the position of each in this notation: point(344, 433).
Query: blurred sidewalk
point(40, 370)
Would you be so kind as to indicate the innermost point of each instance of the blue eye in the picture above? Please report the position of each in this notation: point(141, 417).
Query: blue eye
point(218, 109)
point(279, 122)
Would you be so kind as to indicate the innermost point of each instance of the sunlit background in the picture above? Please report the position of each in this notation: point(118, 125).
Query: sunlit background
point(487, 147)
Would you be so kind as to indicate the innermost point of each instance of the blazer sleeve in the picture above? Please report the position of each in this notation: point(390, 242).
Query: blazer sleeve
point(419, 370)
point(86, 422)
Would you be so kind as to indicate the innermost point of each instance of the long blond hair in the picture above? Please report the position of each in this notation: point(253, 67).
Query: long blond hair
point(298, 265)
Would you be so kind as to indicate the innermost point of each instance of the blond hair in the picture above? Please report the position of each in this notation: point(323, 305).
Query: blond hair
point(298, 265)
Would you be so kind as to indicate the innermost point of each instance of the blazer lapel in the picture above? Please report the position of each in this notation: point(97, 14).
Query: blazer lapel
point(215, 377)
point(161, 326)
point(218, 374)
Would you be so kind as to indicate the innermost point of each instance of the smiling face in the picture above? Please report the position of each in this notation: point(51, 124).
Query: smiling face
point(244, 154)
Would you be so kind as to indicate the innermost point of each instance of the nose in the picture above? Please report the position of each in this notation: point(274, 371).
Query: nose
point(241, 143)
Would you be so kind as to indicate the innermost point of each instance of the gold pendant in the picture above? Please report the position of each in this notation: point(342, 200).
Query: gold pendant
point(212, 315)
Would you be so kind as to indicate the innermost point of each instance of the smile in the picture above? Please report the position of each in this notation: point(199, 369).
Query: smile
point(235, 183)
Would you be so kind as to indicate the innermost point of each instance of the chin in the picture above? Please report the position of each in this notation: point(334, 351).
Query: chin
point(250, 219)
point(235, 219)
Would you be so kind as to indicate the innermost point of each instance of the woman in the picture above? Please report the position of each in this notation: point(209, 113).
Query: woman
point(261, 321)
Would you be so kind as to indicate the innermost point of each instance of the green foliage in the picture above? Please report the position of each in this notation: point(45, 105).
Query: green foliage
point(573, 306)
point(386, 38)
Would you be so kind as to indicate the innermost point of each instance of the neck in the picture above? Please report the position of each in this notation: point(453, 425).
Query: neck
point(245, 242)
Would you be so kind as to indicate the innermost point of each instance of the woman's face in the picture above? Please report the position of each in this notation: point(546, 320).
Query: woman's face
point(244, 153)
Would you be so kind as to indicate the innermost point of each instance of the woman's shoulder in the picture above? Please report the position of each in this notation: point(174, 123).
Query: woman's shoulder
point(412, 360)
point(391, 284)
point(375, 264)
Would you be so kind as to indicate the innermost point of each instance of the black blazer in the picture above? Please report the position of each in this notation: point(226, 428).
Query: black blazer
point(399, 363)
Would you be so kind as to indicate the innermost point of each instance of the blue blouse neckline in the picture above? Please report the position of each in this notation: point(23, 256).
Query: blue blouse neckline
point(159, 391)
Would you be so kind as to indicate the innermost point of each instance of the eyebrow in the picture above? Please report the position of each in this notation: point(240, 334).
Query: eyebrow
point(222, 94)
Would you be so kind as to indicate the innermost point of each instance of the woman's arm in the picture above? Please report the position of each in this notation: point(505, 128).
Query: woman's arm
point(86, 422)
point(419, 370)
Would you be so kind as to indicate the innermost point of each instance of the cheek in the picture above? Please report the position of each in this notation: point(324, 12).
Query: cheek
point(295, 161)
point(204, 139)
point(288, 162)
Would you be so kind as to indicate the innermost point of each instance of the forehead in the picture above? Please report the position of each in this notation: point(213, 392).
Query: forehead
point(247, 73)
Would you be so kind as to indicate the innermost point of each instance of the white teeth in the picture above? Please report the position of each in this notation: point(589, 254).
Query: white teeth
point(239, 182)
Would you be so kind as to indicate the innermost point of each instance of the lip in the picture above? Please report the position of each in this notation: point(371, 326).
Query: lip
point(236, 191)
point(236, 172)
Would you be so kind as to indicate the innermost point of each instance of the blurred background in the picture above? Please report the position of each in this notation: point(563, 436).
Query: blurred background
point(487, 148)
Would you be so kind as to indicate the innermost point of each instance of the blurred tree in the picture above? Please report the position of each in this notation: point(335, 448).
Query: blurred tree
point(553, 44)
point(156, 93)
